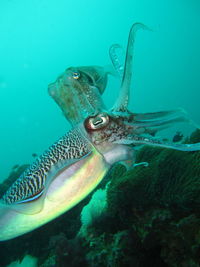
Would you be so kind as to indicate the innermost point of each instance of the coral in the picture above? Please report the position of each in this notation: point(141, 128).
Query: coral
point(124, 248)
point(195, 137)
point(158, 209)
point(181, 242)
point(49, 262)
point(108, 250)
point(27, 261)
point(94, 209)
point(172, 179)
point(65, 252)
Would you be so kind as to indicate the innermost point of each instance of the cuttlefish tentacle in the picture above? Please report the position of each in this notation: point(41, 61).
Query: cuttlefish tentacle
point(122, 102)
point(155, 123)
point(151, 123)
point(134, 131)
point(139, 140)
point(117, 62)
point(159, 114)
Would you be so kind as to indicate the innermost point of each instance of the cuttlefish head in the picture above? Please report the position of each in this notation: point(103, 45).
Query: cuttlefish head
point(116, 135)
point(91, 75)
point(78, 91)
point(94, 75)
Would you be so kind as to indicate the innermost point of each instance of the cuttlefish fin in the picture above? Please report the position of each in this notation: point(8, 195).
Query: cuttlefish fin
point(35, 203)
point(30, 206)
point(64, 178)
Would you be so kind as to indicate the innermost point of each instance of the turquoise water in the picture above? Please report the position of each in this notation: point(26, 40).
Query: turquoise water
point(40, 38)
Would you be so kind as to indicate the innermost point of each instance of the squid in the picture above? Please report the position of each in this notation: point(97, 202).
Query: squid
point(75, 164)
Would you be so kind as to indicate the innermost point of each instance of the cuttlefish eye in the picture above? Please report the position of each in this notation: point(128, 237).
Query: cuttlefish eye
point(97, 122)
point(76, 75)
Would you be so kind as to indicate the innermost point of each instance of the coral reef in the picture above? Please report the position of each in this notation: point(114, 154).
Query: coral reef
point(156, 209)
point(64, 252)
point(93, 210)
point(26, 261)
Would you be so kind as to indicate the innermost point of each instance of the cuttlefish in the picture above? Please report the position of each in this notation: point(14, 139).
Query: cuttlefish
point(74, 165)
point(78, 90)
point(78, 100)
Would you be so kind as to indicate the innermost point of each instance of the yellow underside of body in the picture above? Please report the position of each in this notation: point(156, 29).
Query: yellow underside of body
point(58, 199)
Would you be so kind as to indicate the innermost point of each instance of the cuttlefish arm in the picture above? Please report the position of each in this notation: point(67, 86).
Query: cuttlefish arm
point(117, 60)
point(142, 140)
point(159, 114)
point(122, 102)
point(139, 132)
point(119, 132)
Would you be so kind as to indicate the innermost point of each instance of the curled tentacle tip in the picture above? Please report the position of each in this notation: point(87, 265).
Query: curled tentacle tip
point(147, 28)
point(115, 46)
point(145, 164)
point(139, 25)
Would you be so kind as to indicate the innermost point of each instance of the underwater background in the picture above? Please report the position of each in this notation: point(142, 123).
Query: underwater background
point(40, 39)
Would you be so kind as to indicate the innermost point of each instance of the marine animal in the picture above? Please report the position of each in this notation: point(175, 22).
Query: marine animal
point(78, 91)
point(73, 166)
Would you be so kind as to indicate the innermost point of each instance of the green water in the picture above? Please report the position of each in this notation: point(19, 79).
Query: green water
point(40, 38)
